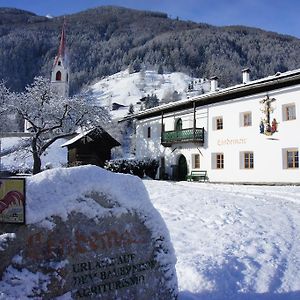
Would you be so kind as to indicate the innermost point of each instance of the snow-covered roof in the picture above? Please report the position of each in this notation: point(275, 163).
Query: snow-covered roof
point(256, 86)
point(76, 138)
point(104, 134)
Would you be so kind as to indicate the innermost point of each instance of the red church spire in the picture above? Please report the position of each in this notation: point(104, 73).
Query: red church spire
point(62, 45)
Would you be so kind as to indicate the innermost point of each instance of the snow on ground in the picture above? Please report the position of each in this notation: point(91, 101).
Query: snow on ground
point(232, 241)
point(21, 159)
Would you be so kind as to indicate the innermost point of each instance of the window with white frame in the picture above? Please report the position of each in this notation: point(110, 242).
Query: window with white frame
point(247, 160)
point(217, 161)
point(289, 112)
point(218, 123)
point(291, 158)
point(246, 119)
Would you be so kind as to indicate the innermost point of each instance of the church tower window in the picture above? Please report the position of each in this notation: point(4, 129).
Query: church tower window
point(58, 76)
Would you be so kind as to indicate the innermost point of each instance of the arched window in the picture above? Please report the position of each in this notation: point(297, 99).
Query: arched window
point(59, 63)
point(178, 125)
point(58, 76)
point(67, 77)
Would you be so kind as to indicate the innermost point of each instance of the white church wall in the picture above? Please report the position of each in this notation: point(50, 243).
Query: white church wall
point(62, 85)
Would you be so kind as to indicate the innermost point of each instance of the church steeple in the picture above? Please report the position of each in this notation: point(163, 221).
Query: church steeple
point(62, 45)
point(60, 70)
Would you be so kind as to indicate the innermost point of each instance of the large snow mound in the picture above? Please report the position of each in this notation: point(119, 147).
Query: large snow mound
point(61, 191)
point(65, 203)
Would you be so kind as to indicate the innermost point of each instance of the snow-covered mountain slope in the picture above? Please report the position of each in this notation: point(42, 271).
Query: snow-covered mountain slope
point(125, 89)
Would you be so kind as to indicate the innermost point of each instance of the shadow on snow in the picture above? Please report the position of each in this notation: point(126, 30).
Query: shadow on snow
point(229, 280)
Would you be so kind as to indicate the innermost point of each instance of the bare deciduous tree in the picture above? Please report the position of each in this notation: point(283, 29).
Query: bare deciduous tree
point(49, 116)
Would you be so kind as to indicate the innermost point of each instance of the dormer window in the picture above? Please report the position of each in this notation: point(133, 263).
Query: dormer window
point(58, 76)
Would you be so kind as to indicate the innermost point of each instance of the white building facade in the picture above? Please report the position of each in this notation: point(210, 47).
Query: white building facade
point(246, 133)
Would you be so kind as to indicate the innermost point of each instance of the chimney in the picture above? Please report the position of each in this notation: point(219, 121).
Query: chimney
point(246, 75)
point(213, 83)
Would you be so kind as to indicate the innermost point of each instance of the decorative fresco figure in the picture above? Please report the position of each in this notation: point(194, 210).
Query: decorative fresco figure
point(274, 125)
point(261, 127)
point(267, 109)
point(268, 127)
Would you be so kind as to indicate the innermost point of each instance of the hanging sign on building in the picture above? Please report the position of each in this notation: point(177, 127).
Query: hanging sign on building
point(12, 200)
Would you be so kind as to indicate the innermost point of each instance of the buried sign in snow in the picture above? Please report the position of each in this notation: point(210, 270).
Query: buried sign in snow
point(104, 243)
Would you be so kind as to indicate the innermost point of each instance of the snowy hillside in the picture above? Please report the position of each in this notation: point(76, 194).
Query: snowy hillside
point(125, 89)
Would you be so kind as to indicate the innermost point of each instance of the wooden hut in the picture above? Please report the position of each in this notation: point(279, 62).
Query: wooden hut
point(90, 147)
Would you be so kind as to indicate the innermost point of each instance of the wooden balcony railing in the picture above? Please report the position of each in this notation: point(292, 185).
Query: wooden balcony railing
point(194, 135)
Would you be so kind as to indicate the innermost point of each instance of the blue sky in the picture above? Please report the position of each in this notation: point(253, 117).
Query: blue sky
point(275, 15)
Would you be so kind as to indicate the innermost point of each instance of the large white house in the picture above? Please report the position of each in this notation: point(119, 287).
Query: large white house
point(244, 133)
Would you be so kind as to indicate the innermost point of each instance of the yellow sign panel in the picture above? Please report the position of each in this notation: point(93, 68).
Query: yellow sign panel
point(12, 200)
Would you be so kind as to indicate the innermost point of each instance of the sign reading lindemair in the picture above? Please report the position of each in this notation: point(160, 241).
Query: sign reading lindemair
point(12, 200)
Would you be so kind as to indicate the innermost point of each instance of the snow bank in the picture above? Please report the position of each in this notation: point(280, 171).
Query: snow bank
point(59, 192)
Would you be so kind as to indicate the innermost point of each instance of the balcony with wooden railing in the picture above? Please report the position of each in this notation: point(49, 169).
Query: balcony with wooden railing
point(189, 135)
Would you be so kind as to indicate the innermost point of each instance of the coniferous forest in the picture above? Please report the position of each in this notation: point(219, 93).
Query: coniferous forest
point(105, 40)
